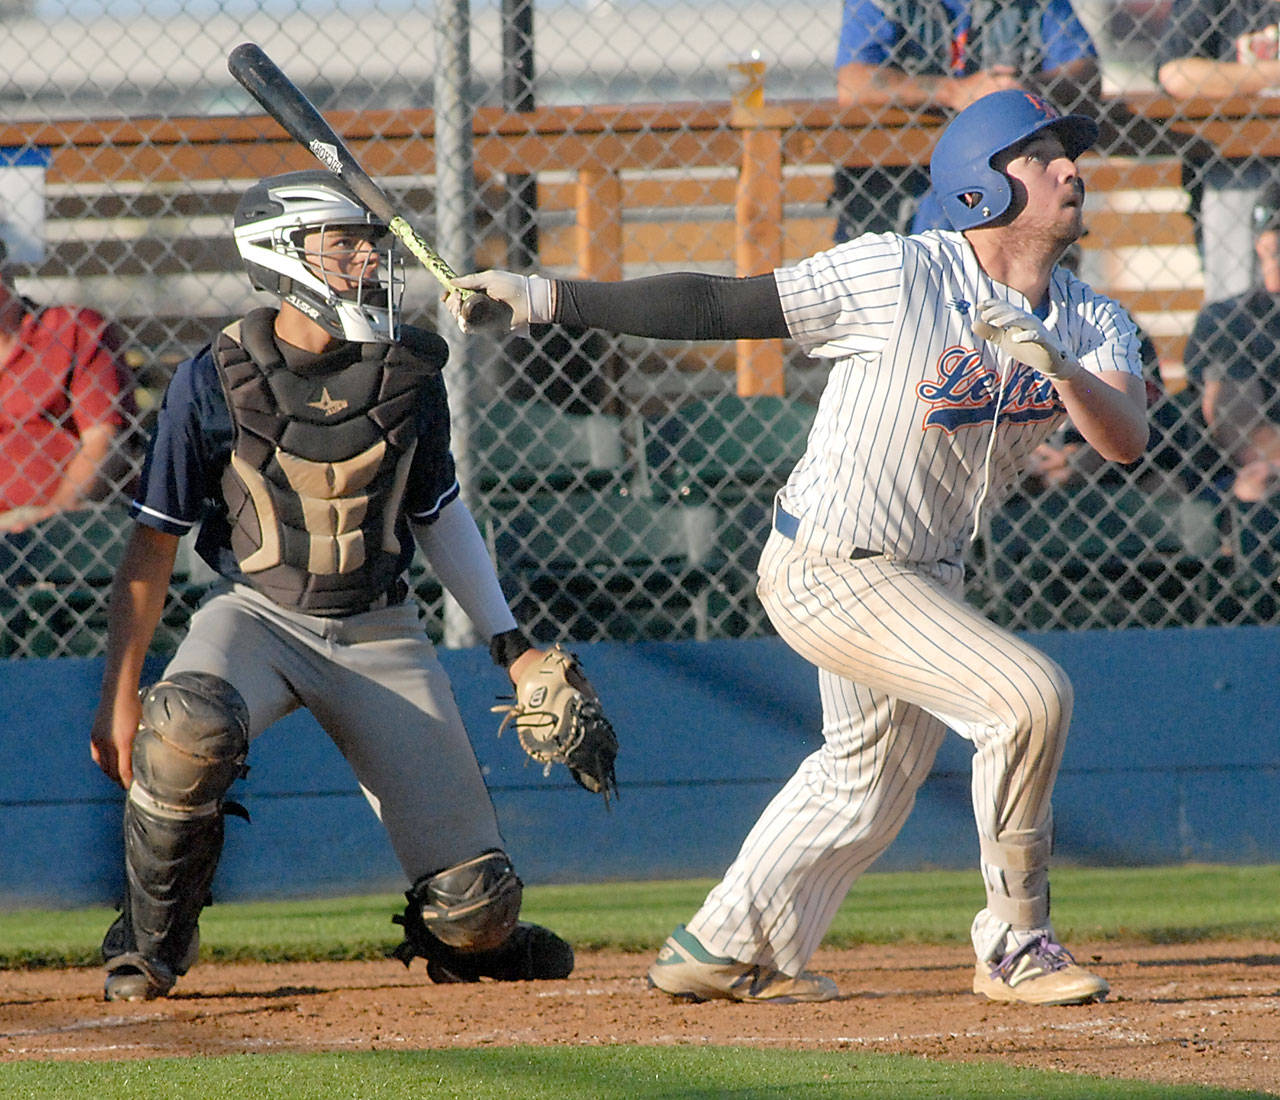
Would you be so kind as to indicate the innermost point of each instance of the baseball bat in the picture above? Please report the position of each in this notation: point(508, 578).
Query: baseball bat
point(263, 79)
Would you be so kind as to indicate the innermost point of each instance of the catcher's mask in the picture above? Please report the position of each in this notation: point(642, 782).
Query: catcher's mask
point(1266, 209)
point(970, 191)
point(272, 220)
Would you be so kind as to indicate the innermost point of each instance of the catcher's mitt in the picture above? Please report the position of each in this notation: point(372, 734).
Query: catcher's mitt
point(559, 720)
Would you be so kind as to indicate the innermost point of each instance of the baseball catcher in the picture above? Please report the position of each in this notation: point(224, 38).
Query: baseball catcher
point(559, 720)
point(309, 444)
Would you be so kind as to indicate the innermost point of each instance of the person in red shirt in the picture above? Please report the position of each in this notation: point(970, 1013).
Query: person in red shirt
point(65, 397)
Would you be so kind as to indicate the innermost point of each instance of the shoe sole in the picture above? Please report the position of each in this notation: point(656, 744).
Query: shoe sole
point(713, 994)
point(683, 995)
point(997, 991)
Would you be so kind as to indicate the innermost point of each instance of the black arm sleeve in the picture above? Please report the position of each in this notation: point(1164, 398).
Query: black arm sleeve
point(680, 306)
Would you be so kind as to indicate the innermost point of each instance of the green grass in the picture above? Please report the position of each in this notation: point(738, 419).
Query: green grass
point(1146, 905)
point(591, 1073)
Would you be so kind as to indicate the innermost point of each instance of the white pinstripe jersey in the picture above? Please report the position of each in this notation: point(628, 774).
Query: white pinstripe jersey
point(896, 458)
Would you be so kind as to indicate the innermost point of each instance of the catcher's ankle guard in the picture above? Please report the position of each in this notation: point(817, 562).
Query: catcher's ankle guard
point(530, 953)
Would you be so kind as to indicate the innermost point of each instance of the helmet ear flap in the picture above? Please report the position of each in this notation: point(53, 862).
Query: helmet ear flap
point(981, 201)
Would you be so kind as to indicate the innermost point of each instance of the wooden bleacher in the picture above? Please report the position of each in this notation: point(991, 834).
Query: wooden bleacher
point(145, 204)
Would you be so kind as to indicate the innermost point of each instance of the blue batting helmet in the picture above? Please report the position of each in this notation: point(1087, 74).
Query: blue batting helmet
point(961, 161)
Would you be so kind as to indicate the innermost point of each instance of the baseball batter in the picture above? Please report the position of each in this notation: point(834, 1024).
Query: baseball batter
point(953, 355)
point(310, 443)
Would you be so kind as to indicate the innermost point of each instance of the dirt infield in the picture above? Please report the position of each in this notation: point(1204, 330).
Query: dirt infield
point(1205, 1013)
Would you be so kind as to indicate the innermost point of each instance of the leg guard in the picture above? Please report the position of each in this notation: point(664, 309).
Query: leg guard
point(472, 906)
point(462, 920)
point(191, 745)
point(1015, 869)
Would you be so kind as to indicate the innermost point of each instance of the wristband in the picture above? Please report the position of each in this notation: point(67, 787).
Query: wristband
point(542, 300)
point(504, 648)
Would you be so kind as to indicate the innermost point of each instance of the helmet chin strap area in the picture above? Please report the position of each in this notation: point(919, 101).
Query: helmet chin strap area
point(362, 298)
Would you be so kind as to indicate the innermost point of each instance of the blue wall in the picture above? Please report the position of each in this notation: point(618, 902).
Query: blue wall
point(1174, 755)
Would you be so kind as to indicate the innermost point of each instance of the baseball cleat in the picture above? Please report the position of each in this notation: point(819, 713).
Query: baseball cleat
point(686, 970)
point(531, 953)
point(131, 983)
point(1040, 972)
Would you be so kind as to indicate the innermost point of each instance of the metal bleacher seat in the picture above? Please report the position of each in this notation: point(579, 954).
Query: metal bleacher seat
point(521, 446)
point(730, 446)
point(57, 578)
point(583, 565)
point(737, 452)
point(1134, 546)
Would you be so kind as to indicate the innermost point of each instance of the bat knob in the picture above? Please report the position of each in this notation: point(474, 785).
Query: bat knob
point(480, 313)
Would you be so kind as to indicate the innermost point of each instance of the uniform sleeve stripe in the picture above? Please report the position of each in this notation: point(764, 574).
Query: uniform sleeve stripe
point(159, 520)
point(428, 514)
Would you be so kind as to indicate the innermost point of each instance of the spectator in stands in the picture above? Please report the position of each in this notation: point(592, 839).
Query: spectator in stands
point(65, 399)
point(945, 55)
point(1218, 49)
point(1233, 358)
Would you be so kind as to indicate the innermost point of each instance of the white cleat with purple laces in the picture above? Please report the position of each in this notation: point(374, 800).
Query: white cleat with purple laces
point(1039, 972)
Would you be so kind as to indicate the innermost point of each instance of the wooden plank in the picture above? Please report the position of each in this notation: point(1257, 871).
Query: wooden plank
point(1128, 229)
point(616, 151)
point(598, 237)
point(666, 244)
point(674, 191)
point(1171, 300)
point(677, 243)
point(758, 250)
point(154, 256)
point(683, 192)
point(1171, 349)
point(1122, 173)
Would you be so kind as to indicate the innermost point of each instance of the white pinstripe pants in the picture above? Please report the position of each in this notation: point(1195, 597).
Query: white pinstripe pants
point(900, 659)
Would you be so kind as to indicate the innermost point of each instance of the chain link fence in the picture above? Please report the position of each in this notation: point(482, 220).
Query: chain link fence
point(625, 485)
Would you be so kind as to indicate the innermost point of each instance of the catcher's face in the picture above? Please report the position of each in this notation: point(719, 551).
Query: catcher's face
point(345, 256)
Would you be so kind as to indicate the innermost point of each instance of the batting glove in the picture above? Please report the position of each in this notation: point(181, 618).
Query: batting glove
point(1021, 336)
point(530, 299)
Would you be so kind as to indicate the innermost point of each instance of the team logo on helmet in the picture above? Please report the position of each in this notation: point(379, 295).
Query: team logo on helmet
point(1041, 105)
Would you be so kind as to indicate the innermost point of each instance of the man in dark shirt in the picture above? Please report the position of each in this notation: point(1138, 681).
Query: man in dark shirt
point(945, 55)
point(1215, 50)
point(1233, 358)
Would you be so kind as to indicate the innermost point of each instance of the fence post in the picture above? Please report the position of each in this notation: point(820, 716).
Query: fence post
point(455, 202)
point(599, 224)
point(758, 230)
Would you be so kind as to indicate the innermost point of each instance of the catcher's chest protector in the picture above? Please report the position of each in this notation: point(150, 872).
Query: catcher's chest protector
point(318, 469)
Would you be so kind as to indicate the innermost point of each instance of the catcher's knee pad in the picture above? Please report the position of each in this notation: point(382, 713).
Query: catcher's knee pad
point(472, 906)
point(190, 747)
point(191, 743)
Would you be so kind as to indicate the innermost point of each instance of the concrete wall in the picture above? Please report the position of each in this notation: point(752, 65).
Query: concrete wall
point(1174, 756)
